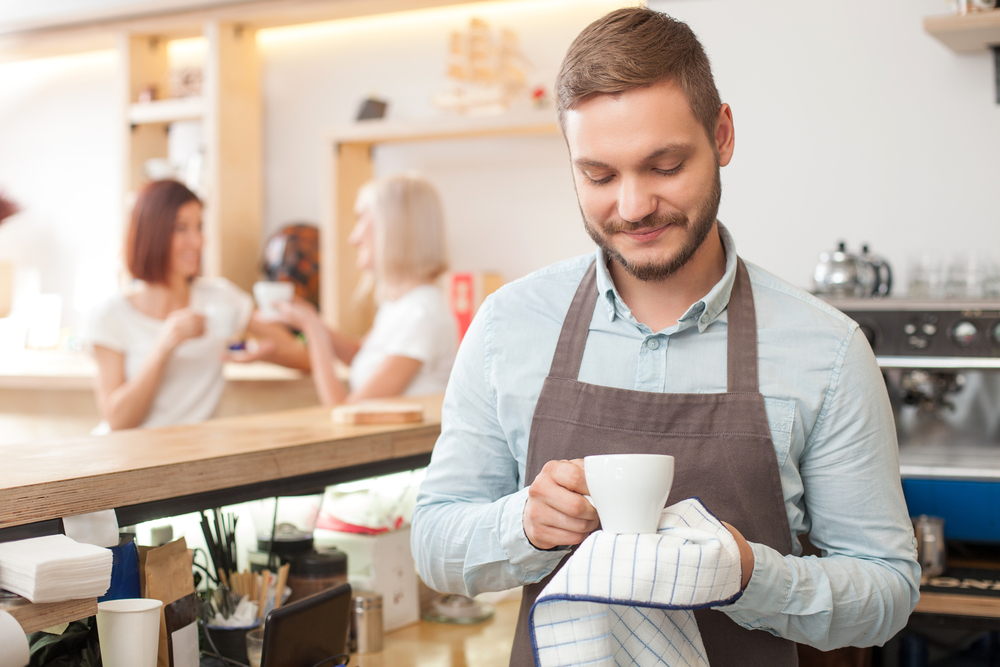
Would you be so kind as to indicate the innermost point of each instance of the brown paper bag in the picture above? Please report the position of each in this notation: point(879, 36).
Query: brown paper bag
point(166, 575)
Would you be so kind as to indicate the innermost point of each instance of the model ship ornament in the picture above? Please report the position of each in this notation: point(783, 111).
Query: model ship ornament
point(487, 73)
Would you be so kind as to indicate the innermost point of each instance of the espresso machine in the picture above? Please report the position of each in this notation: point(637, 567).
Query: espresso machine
point(941, 362)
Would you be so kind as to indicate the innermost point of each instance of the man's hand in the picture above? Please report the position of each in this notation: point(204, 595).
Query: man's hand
point(556, 513)
point(746, 555)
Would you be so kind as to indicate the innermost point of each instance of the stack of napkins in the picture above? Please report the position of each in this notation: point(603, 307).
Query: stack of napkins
point(54, 568)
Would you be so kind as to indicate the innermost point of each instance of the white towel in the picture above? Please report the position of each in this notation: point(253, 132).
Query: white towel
point(627, 599)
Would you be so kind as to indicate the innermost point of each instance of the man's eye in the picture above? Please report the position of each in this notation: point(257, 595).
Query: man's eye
point(670, 172)
point(599, 181)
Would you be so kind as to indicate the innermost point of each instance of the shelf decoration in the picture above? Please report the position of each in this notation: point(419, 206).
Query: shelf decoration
point(487, 72)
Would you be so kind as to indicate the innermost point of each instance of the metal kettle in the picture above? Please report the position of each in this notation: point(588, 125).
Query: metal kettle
point(846, 275)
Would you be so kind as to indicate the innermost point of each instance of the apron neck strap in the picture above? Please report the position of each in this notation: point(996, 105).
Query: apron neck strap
point(741, 336)
point(573, 337)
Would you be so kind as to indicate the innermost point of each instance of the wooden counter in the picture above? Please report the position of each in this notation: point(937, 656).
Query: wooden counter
point(144, 474)
point(50, 479)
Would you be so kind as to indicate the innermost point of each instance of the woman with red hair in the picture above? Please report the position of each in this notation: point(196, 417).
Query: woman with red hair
point(158, 363)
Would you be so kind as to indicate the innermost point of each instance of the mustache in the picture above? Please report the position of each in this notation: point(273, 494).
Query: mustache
point(653, 221)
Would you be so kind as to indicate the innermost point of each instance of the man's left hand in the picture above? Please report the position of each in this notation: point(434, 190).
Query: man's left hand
point(746, 555)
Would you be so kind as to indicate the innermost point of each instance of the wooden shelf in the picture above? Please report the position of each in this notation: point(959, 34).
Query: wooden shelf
point(34, 617)
point(972, 33)
point(166, 111)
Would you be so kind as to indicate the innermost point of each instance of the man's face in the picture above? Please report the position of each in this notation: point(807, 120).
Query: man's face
point(647, 176)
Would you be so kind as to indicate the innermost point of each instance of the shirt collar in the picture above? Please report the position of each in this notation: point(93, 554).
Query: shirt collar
point(703, 312)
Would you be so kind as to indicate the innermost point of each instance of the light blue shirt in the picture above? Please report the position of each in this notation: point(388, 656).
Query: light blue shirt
point(828, 412)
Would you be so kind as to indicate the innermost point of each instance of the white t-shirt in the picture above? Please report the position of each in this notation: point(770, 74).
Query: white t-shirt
point(418, 325)
point(192, 381)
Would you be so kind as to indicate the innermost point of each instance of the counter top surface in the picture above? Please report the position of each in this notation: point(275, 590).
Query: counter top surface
point(428, 644)
point(57, 369)
point(51, 479)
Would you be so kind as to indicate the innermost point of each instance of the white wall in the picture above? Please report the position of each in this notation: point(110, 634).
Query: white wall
point(509, 202)
point(59, 159)
point(852, 123)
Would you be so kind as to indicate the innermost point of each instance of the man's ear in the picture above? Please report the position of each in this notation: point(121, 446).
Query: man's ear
point(725, 135)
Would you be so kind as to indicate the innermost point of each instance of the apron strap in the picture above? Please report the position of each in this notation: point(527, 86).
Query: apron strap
point(741, 336)
point(573, 337)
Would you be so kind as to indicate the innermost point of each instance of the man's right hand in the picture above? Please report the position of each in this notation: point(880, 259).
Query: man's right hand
point(556, 513)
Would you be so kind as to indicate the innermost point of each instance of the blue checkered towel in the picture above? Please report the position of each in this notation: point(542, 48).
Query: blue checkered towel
point(627, 599)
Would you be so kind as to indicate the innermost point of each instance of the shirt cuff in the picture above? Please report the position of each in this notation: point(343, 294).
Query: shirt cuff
point(768, 590)
point(532, 564)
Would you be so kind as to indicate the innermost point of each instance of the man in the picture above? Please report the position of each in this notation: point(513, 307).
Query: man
point(770, 401)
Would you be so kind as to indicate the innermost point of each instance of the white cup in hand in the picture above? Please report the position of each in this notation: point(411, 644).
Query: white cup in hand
point(629, 491)
point(221, 319)
point(269, 293)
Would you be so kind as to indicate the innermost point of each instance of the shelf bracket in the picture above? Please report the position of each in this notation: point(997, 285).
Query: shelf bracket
point(996, 70)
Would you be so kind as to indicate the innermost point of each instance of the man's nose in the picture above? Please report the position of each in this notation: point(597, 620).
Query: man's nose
point(635, 201)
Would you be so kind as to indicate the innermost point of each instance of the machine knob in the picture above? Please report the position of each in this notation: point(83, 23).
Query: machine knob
point(929, 329)
point(996, 333)
point(909, 329)
point(964, 333)
point(869, 332)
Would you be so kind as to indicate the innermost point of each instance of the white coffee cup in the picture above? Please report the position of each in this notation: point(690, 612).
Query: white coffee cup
point(221, 319)
point(629, 491)
point(269, 293)
point(129, 632)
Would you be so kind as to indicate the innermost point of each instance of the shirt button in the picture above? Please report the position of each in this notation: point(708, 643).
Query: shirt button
point(652, 343)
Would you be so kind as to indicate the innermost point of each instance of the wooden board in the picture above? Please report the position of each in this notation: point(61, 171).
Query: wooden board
point(958, 605)
point(34, 617)
point(378, 412)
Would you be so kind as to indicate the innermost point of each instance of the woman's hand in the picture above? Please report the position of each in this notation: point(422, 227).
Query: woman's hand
point(297, 313)
point(179, 326)
point(256, 350)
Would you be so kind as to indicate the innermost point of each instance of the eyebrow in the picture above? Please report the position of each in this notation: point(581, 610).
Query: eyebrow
point(669, 149)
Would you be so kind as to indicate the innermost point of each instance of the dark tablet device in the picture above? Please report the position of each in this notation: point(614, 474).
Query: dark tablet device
point(309, 630)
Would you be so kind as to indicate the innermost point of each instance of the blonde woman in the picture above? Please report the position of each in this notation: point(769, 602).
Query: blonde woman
point(411, 346)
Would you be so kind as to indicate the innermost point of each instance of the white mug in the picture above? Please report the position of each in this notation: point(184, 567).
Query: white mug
point(629, 491)
point(221, 319)
point(269, 293)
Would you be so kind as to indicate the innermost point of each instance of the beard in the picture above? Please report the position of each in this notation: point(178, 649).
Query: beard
point(697, 232)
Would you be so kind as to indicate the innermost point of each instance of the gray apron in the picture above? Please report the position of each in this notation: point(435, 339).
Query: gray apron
point(721, 444)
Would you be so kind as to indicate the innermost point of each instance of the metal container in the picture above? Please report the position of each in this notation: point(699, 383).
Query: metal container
point(929, 531)
point(366, 621)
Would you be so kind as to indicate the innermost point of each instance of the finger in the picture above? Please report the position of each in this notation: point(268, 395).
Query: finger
point(546, 491)
point(541, 513)
point(567, 475)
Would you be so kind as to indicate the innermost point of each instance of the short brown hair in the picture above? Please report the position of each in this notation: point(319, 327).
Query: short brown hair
point(635, 47)
point(7, 207)
point(150, 233)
